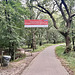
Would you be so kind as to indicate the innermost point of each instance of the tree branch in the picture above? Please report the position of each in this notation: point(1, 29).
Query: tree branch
point(63, 33)
point(72, 15)
point(54, 22)
point(38, 9)
point(67, 10)
point(38, 15)
point(61, 10)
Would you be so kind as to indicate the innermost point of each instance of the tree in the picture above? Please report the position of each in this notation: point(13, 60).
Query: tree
point(64, 9)
point(12, 25)
point(33, 15)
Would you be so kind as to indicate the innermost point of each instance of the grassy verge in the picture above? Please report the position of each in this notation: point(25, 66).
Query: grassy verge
point(40, 48)
point(19, 59)
point(19, 56)
point(69, 58)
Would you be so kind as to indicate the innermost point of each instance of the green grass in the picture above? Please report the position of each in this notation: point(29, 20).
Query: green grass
point(24, 46)
point(40, 48)
point(69, 58)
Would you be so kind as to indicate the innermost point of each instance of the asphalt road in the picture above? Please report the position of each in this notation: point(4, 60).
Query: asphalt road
point(46, 63)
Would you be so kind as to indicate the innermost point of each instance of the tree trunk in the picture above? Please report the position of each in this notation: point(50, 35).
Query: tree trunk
point(40, 43)
point(34, 41)
point(68, 44)
point(54, 41)
point(31, 45)
point(67, 41)
point(47, 36)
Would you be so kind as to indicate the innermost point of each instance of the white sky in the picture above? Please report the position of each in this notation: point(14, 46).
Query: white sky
point(23, 1)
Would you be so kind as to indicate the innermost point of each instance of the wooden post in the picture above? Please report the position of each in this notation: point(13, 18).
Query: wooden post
point(2, 59)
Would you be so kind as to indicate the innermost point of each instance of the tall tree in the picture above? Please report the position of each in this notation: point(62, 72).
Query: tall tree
point(67, 15)
point(33, 15)
point(12, 24)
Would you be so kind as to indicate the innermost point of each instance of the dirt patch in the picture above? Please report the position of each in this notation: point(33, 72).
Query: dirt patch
point(16, 68)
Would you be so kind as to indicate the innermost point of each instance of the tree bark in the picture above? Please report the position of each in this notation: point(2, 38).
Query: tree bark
point(68, 44)
point(34, 41)
point(67, 41)
point(67, 19)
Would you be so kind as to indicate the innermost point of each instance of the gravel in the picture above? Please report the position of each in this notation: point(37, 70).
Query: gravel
point(16, 68)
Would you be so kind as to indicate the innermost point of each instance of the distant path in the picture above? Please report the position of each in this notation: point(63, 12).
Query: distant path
point(46, 63)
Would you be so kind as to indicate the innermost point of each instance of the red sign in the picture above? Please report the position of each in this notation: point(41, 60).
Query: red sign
point(36, 23)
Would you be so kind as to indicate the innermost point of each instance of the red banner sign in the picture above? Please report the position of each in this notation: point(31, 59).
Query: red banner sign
point(36, 23)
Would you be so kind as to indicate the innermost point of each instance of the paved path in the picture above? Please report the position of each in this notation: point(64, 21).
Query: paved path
point(45, 63)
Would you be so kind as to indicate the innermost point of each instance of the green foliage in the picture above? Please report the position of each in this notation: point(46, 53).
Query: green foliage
point(60, 50)
point(12, 15)
point(11, 25)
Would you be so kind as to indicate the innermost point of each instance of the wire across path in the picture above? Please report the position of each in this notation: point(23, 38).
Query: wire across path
point(46, 63)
